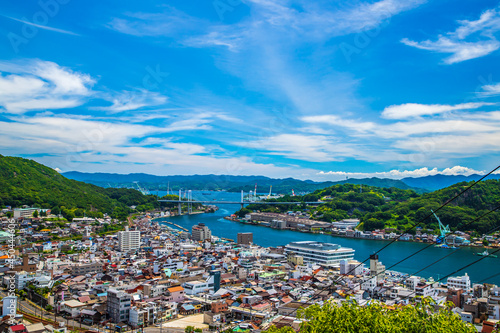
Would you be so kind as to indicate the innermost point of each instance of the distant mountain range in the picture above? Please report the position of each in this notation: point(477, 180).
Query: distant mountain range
point(437, 182)
point(247, 183)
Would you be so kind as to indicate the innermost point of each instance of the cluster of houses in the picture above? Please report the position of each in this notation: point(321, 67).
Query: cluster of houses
point(152, 275)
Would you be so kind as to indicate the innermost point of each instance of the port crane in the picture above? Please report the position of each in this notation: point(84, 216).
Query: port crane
point(144, 192)
point(442, 229)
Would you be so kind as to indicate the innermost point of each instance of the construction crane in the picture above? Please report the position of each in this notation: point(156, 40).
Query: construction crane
point(270, 190)
point(144, 192)
point(442, 229)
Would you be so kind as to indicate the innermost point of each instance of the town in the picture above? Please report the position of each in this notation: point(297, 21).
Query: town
point(103, 275)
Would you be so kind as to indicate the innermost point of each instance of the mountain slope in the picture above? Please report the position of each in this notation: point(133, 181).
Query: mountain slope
point(438, 182)
point(26, 182)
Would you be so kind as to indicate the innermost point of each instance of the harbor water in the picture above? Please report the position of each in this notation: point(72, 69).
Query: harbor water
point(395, 252)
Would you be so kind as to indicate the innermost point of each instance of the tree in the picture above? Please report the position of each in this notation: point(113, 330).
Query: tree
point(189, 329)
point(35, 214)
point(242, 212)
point(350, 317)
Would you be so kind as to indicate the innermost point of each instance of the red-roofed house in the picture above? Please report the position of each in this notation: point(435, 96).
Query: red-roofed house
point(17, 329)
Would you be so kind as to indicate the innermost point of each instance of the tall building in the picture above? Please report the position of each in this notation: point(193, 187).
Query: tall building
point(245, 238)
point(201, 232)
point(324, 254)
point(376, 268)
point(118, 305)
point(129, 240)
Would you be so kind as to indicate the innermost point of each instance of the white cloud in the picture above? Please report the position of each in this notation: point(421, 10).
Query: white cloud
point(409, 110)
point(71, 143)
point(481, 34)
point(40, 85)
point(490, 89)
point(222, 36)
point(169, 22)
point(133, 100)
point(311, 148)
point(399, 174)
point(320, 22)
point(355, 125)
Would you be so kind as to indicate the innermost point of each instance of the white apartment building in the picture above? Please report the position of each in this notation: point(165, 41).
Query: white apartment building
point(351, 267)
point(325, 254)
point(459, 282)
point(129, 240)
point(24, 212)
point(22, 278)
point(346, 224)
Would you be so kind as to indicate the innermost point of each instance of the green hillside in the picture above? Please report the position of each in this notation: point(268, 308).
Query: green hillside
point(458, 214)
point(343, 201)
point(26, 182)
point(379, 208)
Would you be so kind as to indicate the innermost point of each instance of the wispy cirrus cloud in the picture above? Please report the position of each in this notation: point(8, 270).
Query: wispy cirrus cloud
point(472, 39)
point(44, 27)
point(167, 22)
point(132, 100)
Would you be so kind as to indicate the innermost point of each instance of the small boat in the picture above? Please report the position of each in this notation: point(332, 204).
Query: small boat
point(485, 254)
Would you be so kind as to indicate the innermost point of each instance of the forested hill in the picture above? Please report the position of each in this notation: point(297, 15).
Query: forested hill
point(379, 208)
point(26, 182)
point(480, 199)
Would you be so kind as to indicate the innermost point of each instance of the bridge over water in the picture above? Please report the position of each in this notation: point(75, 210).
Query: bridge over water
point(189, 200)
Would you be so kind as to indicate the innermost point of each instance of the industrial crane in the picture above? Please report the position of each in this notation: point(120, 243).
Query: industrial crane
point(270, 190)
point(442, 229)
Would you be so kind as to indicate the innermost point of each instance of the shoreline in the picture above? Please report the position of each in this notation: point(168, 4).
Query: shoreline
point(370, 239)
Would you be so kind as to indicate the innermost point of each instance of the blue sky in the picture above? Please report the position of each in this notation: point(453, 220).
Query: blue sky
point(307, 89)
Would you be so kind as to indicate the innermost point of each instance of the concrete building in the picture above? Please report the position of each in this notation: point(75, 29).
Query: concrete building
point(325, 254)
point(129, 240)
point(87, 268)
point(346, 224)
point(376, 268)
point(25, 266)
point(201, 232)
point(351, 267)
point(22, 278)
point(245, 238)
point(118, 305)
point(73, 307)
point(459, 282)
point(24, 212)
